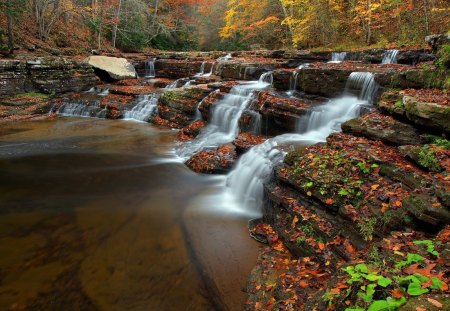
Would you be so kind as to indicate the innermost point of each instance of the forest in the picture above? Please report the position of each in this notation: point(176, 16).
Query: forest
point(136, 25)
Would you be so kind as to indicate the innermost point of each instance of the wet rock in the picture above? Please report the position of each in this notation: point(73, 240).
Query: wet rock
point(244, 71)
point(414, 78)
point(116, 68)
point(214, 161)
point(208, 102)
point(132, 90)
point(324, 82)
point(385, 128)
point(191, 131)
point(245, 141)
point(282, 114)
point(179, 106)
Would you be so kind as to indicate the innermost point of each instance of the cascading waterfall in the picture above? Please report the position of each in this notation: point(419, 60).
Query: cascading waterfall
point(337, 57)
point(255, 167)
point(145, 107)
point(80, 109)
point(198, 114)
point(224, 124)
point(293, 83)
point(225, 58)
point(364, 83)
point(150, 68)
point(390, 57)
point(202, 70)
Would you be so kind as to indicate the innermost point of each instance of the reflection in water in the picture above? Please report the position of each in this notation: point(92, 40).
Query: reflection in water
point(95, 216)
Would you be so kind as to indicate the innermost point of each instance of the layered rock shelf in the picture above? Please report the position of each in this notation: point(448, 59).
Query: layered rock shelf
point(371, 196)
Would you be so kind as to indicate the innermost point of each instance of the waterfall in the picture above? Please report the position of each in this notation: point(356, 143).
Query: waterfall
point(202, 70)
point(150, 68)
point(365, 83)
point(225, 58)
point(212, 69)
point(198, 114)
point(266, 77)
point(293, 83)
point(337, 57)
point(225, 114)
point(390, 57)
point(80, 109)
point(255, 167)
point(172, 85)
point(145, 107)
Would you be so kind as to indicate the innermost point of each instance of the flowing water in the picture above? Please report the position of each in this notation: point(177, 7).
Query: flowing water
point(255, 167)
point(390, 57)
point(338, 57)
point(293, 83)
point(150, 68)
point(146, 106)
point(224, 124)
point(96, 215)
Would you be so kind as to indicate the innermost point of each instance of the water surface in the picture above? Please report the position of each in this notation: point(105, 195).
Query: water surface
point(96, 215)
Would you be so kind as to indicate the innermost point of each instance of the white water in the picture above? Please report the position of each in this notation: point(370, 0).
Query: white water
point(202, 70)
point(172, 85)
point(293, 83)
point(225, 58)
point(224, 125)
point(390, 57)
point(80, 109)
point(338, 57)
point(364, 83)
point(255, 167)
point(150, 68)
point(145, 107)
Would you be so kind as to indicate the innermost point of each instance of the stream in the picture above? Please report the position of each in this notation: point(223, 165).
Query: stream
point(97, 215)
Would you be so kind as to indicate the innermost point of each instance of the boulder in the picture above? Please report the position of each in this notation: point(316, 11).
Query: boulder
point(435, 41)
point(431, 115)
point(116, 68)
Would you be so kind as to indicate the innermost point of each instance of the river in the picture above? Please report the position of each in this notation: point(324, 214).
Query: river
point(98, 215)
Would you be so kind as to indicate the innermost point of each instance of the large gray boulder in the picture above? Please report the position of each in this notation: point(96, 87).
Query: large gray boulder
point(116, 68)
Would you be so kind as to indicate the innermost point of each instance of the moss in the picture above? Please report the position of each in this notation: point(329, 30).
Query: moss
point(34, 94)
point(427, 158)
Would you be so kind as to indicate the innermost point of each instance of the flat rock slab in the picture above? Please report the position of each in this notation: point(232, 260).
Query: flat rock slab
point(117, 68)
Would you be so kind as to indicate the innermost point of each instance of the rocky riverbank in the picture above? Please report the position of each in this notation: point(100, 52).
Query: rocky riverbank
point(359, 220)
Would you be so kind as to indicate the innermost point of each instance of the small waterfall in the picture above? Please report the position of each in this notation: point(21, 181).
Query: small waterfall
point(150, 68)
point(255, 167)
point(390, 57)
point(266, 77)
point(293, 83)
point(202, 70)
point(224, 124)
point(225, 58)
point(145, 107)
point(365, 83)
point(80, 109)
point(302, 66)
point(212, 69)
point(198, 114)
point(337, 57)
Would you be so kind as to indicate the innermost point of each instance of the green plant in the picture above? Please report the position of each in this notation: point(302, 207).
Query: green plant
point(430, 246)
point(367, 227)
point(442, 142)
point(428, 159)
point(398, 104)
point(410, 259)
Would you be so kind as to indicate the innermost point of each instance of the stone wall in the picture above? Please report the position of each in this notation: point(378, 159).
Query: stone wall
point(46, 75)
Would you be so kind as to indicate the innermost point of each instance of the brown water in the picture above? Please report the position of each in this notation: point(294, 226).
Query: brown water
point(93, 216)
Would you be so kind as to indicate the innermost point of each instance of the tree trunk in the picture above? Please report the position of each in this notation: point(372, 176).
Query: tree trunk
point(369, 22)
point(116, 24)
point(10, 27)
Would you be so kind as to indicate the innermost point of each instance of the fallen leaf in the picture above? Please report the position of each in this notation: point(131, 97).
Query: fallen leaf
point(420, 309)
point(397, 293)
point(294, 221)
point(329, 201)
point(375, 186)
point(435, 303)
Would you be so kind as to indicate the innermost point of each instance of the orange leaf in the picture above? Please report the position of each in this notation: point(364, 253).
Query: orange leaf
point(420, 309)
point(375, 186)
point(435, 303)
point(398, 204)
point(321, 246)
point(303, 284)
point(329, 201)
point(397, 293)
